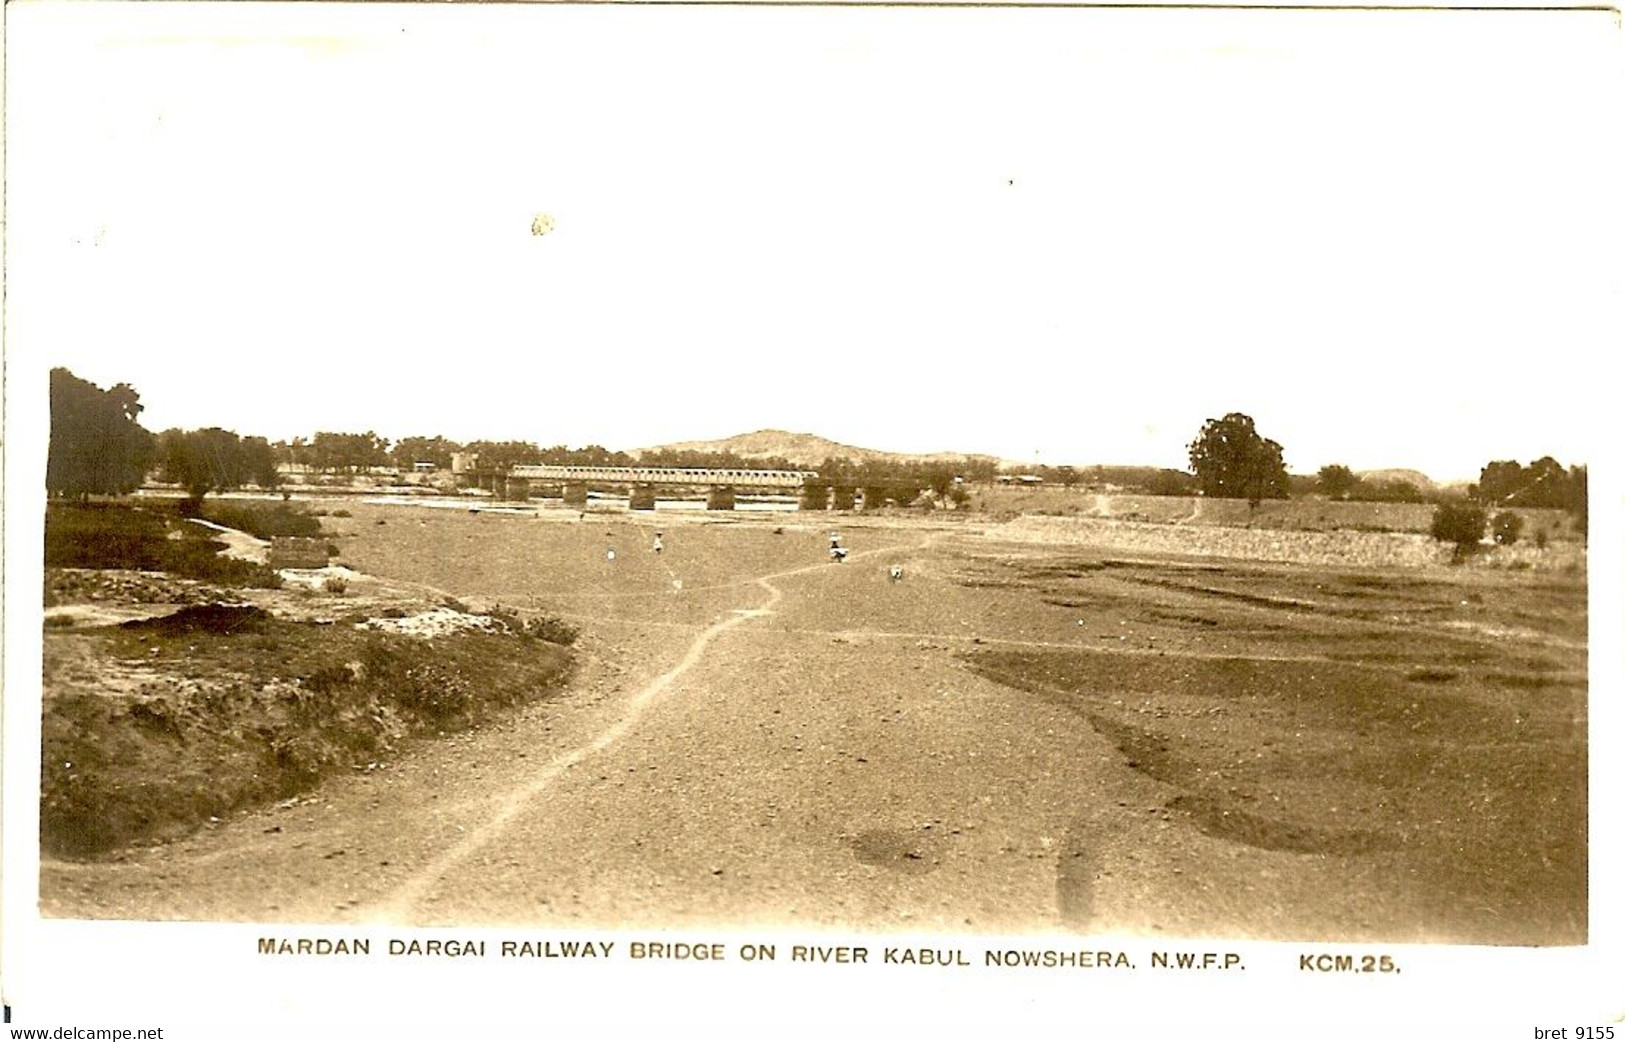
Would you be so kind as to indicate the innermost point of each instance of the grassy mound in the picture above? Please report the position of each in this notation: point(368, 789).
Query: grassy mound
point(216, 709)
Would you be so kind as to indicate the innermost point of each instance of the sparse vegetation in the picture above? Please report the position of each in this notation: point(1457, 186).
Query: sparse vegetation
point(113, 536)
point(1390, 491)
point(264, 521)
point(549, 628)
point(268, 708)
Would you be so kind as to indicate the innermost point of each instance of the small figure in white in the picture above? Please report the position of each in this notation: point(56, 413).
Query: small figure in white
point(837, 552)
point(896, 573)
point(657, 542)
point(610, 555)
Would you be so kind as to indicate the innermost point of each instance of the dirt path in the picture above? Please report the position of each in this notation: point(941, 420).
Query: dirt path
point(748, 771)
point(401, 904)
point(239, 545)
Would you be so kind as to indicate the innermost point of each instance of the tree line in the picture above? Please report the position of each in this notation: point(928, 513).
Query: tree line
point(99, 447)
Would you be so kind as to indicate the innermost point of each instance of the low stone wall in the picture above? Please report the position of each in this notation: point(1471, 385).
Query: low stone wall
point(298, 552)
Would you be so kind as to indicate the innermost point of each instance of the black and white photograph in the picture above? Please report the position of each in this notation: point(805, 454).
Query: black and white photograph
point(811, 517)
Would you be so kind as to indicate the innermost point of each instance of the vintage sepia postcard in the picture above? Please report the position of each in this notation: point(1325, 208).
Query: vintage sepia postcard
point(811, 516)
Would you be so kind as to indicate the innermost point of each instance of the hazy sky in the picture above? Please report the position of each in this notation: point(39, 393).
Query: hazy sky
point(1061, 236)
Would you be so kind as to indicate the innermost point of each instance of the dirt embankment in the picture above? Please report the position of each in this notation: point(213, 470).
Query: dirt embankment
point(169, 702)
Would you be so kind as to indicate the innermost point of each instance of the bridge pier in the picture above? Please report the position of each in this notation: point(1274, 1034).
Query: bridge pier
point(643, 496)
point(720, 497)
point(575, 493)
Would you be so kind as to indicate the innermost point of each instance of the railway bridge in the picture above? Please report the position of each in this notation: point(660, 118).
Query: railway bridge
point(721, 484)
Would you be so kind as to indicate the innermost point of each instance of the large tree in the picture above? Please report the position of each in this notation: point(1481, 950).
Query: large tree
point(504, 455)
point(348, 452)
point(421, 449)
point(1231, 460)
point(200, 461)
point(1543, 483)
point(1336, 481)
point(259, 463)
point(1499, 481)
point(211, 460)
point(96, 446)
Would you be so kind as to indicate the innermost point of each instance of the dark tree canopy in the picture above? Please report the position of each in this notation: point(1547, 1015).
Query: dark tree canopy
point(1461, 523)
point(96, 445)
point(1231, 460)
point(212, 459)
point(259, 463)
point(898, 480)
point(501, 455)
point(409, 452)
point(1498, 482)
point(1336, 481)
point(1543, 483)
point(684, 458)
point(342, 451)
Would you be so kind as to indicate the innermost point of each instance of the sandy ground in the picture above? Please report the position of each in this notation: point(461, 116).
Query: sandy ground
point(756, 738)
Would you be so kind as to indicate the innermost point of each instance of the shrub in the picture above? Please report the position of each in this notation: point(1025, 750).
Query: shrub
point(1459, 523)
point(1506, 527)
point(263, 522)
point(553, 630)
point(124, 537)
point(540, 627)
point(334, 585)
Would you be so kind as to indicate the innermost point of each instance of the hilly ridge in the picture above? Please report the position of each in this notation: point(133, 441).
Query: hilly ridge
point(807, 450)
point(811, 450)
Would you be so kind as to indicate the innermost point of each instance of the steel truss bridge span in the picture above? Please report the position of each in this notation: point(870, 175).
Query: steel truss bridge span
point(777, 479)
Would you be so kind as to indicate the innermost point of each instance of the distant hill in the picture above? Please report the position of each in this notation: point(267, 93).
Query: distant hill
point(805, 450)
point(1414, 477)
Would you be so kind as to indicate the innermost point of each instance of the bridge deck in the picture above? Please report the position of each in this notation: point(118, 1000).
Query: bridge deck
point(786, 479)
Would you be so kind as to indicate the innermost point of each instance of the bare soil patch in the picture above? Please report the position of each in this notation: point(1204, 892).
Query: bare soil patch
point(1347, 716)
